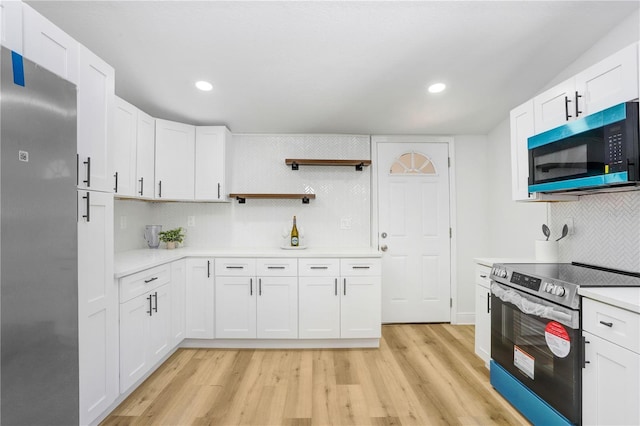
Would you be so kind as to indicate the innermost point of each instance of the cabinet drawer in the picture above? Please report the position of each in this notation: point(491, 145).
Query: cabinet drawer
point(482, 276)
point(319, 267)
point(277, 267)
point(136, 284)
point(359, 267)
point(616, 325)
point(235, 267)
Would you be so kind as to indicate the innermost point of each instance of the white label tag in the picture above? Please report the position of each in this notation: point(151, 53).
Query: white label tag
point(523, 361)
point(23, 156)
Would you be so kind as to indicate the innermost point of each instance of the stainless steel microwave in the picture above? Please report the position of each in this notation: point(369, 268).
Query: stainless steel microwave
point(599, 150)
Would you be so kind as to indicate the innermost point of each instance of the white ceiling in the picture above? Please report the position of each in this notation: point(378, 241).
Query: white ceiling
point(336, 67)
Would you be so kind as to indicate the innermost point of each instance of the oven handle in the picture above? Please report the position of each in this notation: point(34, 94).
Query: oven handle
point(532, 305)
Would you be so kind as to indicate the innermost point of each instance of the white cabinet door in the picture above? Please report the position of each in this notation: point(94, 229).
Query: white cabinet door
point(96, 96)
point(319, 308)
point(199, 299)
point(124, 147)
point(483, 323)
point(11, 25)
point(97, 305)
point(610, 384)
point(609, 82)
point(134, 332)
point(277, 310)
point(521, 129)
point(210, 162)
point(145, 155)
point(49, 46)
point(159, 340)
point(178, 289)
point(236, 307)
point(360, 307)
point(555, 106)
point(175, 151)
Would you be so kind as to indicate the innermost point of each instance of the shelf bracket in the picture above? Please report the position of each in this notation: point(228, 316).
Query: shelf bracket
point(241, 200)
point(359, 167)
point(305, 200)
point(295, 166)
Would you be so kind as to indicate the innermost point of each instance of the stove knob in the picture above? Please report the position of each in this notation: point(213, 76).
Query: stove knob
point(559, 291)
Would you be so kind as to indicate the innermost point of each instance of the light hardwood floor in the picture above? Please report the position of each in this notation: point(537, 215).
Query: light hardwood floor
point(423, 374)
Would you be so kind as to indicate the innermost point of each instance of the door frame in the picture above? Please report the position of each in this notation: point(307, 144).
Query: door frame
point(375, 224)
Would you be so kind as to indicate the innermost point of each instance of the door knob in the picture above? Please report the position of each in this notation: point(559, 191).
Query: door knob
point(383, 235)
point(384, 247)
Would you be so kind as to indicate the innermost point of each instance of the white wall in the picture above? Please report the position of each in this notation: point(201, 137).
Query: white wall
point(513, 226)
point(470, 224)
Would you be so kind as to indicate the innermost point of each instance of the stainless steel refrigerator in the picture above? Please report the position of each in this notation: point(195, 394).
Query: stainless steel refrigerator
point(38, 246)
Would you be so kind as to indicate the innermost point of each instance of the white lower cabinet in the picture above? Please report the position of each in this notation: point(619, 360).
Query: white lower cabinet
point(277, 300)
point(199, 297)
point(340, 298)
point(483, 313)
point(145, 322)
point(611, 375)
point(178, 294)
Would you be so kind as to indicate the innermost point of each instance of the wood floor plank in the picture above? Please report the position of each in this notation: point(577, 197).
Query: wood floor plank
point(422, 374)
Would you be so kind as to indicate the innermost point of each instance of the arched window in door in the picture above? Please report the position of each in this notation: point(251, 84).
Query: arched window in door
point(412, 163)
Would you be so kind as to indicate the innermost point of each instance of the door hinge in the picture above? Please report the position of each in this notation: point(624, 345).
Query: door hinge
point(449, 161)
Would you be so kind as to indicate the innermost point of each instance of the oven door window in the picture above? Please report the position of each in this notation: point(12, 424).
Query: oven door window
point(578, 156)
point(520, 343)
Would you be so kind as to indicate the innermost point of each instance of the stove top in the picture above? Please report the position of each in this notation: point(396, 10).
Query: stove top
point(559, 282)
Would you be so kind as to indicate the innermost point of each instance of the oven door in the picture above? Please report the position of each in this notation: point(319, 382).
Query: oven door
point(540, 344)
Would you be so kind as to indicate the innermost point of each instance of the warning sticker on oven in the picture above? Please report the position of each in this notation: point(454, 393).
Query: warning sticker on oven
point(523, 361)
point(557, 339)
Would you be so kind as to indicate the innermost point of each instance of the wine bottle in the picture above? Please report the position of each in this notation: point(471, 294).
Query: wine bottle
point(295, 241)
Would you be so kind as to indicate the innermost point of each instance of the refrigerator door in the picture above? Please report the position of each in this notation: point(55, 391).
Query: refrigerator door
point(38, 246)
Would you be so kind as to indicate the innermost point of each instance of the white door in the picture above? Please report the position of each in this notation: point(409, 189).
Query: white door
point(199, 299)
point(413, 197)
point(134, 332)
point(160, 324)
point(145, 155)
point(125, 122)
point(360, 307)
point(175, 154)
point(178, 284)
point(319, 308)
point(277, 308)
point(236, 307)
point(210, 162)
point(555, 106)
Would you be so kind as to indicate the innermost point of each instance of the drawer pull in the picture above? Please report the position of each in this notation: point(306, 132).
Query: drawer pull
point(150, 279)
point(319, 267)
point(276, 267)
point(483, 276)
point(361, 267)
point(235, 267)
point(608, 324)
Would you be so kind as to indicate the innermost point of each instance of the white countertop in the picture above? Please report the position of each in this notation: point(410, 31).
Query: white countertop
point(489, 261)
point(623, 297)
point(130, 262)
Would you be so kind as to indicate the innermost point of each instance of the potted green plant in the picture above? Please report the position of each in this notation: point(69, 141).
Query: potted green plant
point(172, 237)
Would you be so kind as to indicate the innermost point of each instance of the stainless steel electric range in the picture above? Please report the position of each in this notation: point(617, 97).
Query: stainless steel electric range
point(537, 348)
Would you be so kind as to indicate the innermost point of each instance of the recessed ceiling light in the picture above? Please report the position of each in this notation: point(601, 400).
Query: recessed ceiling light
point(204, 85)
point(437, 87)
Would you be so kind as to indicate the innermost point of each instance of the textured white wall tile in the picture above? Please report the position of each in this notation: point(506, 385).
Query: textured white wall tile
point(257, 165)
point(607, 230)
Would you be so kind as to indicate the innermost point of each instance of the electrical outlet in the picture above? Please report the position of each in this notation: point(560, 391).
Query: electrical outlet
point(123, 222)
point(569, 222)
point(345, 223)
point(191, 221)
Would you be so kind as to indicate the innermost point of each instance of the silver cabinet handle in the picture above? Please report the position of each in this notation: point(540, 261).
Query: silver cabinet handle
point(159, 189)
point(155, 309)
point(566, 108)
point(234, 267)
point(335, 289)
point(88, 164)
point(259, 286)
point(276, 267)
point(345, 286)
point(141, 180)
point(150, 307)
point(218, 190)
point(483, 276)
point(88, 215)
point(607, 324)
point(578, 112)
point(250, 286)
point(150, 279)
point(208, 268)
point(115, 189)
point(319, 267)
point(361, 267)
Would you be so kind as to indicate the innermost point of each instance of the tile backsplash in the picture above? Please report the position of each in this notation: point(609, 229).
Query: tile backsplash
point(339, 217)
point(607, 229)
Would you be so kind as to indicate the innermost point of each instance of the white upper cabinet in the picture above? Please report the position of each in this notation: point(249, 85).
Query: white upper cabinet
point(521, 130)
point(11, 25)
point(49, 46)
point(145, 155)
point(210, 162)
point(609, 82)
point(124, 147)
point(96, 97)
point(174, 167)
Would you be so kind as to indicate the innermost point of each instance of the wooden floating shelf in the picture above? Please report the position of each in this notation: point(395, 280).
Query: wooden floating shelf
point(295, 163)
point(242, 198)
